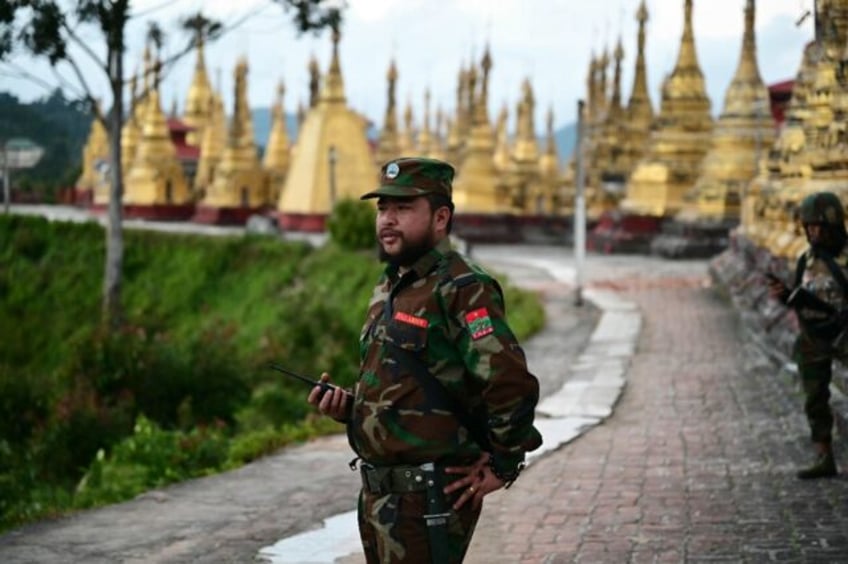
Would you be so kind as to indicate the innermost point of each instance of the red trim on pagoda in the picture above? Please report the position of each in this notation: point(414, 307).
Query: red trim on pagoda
point(157, 212)
point(305, 222)
point(618, 232)
point(779, 95)
point(224, 216)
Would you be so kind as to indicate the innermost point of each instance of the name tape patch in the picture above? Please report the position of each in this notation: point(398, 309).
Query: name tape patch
point(479, 323)
point(411, 319)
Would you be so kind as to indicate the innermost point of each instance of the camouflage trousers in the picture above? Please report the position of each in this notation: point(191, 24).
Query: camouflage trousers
point(815, 365)
point(393, 530)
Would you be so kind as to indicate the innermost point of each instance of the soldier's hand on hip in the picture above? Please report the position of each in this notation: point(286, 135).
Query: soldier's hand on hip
point(476, 482)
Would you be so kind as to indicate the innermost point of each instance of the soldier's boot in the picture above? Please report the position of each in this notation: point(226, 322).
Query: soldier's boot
point(823, 467)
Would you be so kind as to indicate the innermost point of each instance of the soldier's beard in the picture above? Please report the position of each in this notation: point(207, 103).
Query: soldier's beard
point(410, 250)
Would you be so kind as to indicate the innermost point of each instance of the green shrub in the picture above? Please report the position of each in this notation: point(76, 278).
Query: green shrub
point(149, 458)
point(351, 225)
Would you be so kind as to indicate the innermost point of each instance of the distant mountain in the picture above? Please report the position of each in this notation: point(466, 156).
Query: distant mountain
point(262, 125)
point(565, 136)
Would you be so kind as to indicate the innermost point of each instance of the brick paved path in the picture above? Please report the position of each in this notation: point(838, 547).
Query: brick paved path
point(695, 465)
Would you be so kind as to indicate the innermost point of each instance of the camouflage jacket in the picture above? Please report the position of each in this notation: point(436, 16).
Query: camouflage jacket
point(449, 314)
point(817, 279)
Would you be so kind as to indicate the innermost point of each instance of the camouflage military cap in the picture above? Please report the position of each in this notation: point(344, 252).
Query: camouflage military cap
point(821, 207)
point(414, 176)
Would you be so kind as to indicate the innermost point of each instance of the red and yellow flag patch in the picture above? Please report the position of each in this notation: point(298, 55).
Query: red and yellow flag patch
point(479, 323)
point(411, 319)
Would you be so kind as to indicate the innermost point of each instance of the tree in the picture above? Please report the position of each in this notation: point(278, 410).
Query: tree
point(46, 28)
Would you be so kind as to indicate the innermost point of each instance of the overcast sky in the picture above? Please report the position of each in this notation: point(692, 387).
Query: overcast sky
point(548, 41)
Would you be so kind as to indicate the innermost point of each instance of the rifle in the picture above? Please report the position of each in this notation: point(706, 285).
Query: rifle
point(804, 299)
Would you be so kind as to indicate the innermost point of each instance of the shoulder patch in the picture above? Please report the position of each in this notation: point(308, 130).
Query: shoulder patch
point(479, 323)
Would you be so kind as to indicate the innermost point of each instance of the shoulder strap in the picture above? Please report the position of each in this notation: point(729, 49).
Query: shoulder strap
point(799, 269)
point(438, 395)
point(433, 389)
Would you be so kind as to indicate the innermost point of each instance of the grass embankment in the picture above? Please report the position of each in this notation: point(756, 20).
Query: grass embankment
point(89, 417)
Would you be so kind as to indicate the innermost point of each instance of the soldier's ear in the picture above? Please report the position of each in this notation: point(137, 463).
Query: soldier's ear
point(441, 217)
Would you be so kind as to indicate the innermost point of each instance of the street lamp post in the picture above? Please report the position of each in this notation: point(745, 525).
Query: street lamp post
point(332, 157)
point(579, 211)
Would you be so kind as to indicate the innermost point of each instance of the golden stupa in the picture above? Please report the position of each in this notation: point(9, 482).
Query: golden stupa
point(639, 114)
point(198, 105)
point(155, 177)
point(549, 191)
point(741, 137)
point(240, 184)
point(477, 189)
point(276, 159)
point(388, 146)
point(95, 156)
point(810, 152)
point(428, 140)
point(523, 172)
point(333, 159)
point(606, 174)
point(459, 128)
point(212, 144)
point(677, 146)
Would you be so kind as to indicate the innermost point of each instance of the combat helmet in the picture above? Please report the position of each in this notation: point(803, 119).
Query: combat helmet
point(825, 209)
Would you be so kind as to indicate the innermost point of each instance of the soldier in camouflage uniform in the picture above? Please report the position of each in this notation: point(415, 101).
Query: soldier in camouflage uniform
point(822, 271)
point(443, 411)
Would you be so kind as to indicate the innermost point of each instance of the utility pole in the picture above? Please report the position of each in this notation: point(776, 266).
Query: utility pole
point(7, 190)
point(332, 157)
point(579, 212)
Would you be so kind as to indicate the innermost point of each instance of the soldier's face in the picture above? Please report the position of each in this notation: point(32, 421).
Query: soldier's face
point(405, 229)
point(814, 232)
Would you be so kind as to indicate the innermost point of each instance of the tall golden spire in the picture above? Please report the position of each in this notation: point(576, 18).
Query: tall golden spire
point(502, 148)
point(425, 137)
point(407, 138)
point(456, 126)
point(601, 98)
point(314, 81)
point(388, 147)
point(211, 146)
point(676, 148)
point(741, 137)
point(334, 83)
point(276, 160)
point(615, 99)
point(155, 177)
point(240, 182)
point(639, 109)
point(197, 109)
point(549, 172)
point(477, 185)
point(131, 130)
point(526, 147)
point(524, 184)
point(94, 154)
